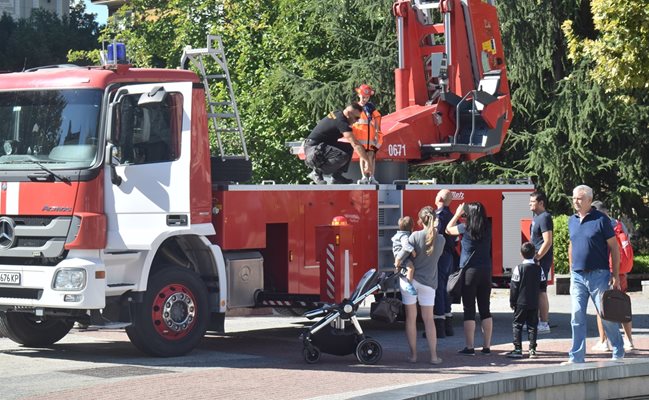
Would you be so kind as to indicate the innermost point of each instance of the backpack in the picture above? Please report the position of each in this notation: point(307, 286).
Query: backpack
point(626, 251)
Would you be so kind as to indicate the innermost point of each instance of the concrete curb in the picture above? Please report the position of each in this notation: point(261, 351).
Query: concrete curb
point(595, 380)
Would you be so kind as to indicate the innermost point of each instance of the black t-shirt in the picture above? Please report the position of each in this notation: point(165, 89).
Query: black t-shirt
point(330, 128)
point(542, 223)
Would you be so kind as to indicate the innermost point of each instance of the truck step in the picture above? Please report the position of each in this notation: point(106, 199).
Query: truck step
point(107, 325)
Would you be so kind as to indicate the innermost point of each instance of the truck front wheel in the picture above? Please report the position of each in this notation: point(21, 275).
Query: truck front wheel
point(30, 331)
point(174, 315)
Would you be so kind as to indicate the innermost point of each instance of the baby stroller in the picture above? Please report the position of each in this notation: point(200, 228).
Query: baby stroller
point(333, 334)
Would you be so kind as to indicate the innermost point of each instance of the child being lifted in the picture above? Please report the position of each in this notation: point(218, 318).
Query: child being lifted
point(400, 244)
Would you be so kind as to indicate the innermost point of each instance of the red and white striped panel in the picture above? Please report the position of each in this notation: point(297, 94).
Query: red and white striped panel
point(9, 198)
point(331, 273)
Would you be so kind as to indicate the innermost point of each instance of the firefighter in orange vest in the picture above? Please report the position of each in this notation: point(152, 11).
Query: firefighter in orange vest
point(367, 131)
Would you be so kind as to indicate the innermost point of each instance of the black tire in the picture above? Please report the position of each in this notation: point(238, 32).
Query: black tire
point(174, 315)
point(28, 330)
point(369, 351)
point(311, 356)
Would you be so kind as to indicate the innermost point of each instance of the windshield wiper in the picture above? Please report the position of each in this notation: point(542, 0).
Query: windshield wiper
point(52, 173)
point(43, 167)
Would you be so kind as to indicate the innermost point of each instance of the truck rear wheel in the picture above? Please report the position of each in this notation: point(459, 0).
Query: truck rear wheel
point(29, 330)
point(173, 317)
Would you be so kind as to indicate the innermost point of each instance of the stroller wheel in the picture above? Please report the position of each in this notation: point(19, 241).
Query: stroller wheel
point(369, 351)
point(312, 355)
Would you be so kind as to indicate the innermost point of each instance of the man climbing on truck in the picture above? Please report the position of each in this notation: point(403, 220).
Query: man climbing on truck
point(325, 154)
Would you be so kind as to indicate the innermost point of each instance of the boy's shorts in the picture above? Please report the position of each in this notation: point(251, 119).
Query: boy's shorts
point(425, 294)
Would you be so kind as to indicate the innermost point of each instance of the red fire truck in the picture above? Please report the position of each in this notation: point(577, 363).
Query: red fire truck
point(113, 212)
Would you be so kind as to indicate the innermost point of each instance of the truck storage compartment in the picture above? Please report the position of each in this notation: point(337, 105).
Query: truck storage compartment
point(245, 274)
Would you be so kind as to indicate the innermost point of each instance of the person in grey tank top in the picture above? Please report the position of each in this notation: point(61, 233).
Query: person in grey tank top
point(428, 246)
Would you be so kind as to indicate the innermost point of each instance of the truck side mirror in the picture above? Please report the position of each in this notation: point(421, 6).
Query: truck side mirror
point(112, 160)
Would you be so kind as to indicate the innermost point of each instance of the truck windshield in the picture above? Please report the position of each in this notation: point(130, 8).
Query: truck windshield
point(56, 128)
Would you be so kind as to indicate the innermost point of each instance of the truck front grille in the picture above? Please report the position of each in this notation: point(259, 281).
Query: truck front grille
point(36, 240)
point(20, 293)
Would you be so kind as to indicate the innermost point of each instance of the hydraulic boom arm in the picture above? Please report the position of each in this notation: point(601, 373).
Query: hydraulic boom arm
point(452, 96)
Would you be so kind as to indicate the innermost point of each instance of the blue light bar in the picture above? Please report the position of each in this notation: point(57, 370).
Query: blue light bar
point(117, 53)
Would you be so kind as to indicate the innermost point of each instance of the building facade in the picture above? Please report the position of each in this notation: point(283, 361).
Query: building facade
point(112, 5)
point(18, 9)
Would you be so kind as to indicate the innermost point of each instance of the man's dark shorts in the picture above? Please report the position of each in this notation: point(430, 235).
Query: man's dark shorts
point(544, 284)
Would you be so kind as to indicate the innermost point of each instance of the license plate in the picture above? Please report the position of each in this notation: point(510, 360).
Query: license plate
point(9, 278)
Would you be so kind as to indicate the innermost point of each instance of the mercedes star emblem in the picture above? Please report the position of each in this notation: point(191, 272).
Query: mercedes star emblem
point(7, 233)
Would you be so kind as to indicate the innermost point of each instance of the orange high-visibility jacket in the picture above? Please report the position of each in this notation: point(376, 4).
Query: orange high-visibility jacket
point(368, 133)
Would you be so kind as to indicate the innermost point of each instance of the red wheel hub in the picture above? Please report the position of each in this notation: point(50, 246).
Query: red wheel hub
point(174, 312)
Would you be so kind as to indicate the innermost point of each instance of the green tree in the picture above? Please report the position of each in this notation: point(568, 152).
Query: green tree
point(296, 63)
point(569, 128)
point(44, 38)
point(618, 51)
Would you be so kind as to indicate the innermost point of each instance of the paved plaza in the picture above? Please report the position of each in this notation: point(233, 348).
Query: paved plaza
point(261, 358)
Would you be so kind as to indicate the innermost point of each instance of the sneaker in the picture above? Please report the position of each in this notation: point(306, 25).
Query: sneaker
point(317, 178)
point(339, 179)
point(363, 181)
point(467, 351)
point(628, 345)
point(601, 346)
point(532, 353)
point(542, 328)
point(410, 289)
point(516, 353)
point(372, 181)
point(485, 350)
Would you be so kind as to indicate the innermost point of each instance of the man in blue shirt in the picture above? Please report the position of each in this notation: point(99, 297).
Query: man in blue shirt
point(442, 309)
point(541, 236)
point(591, 239)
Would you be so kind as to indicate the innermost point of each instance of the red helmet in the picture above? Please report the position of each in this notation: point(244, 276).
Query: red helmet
point(365, 90)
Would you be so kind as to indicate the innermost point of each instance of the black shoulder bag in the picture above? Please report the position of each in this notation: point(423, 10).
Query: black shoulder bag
point(388, 308)
point(455, 281)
